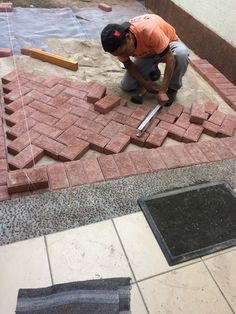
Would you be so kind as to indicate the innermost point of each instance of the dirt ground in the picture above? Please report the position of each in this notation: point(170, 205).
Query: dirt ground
point(74, 4)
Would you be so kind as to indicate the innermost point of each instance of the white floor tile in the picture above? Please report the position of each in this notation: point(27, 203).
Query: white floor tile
point(144, 253)
point(88, 252)
point(223, 269)
point(187, 290)
point(137, 305)
point(233, 248)
point(22, 265)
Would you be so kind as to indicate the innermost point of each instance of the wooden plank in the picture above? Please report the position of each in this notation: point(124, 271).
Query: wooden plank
point(54, 59)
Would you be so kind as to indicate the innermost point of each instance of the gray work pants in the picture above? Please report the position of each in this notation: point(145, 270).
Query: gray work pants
point(147, 64)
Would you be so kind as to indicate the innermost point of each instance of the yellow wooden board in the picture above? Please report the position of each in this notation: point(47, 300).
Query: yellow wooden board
point(54, 59)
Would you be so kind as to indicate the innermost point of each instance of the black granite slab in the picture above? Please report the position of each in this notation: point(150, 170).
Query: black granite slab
point(192, 221)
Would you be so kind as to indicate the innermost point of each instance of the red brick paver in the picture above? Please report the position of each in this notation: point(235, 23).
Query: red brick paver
point(140, 161)
point(57, 176)
point(3, 177)
point(183, 121)
point(193, 133)
point(27, 180)
point(20, 128)
point(93, 170)
point(140, 112)
point(75, 173)
point(210, 129)
point(4, 195)
point(75, 150)
point(163, 116)
point(169, 157)
point(51, 147)
point(156, 138)
point(105, 7)
point(211, 107)
point(230, 142)
point(97, 141)
point(96, 92)
point(217, 117)
point(176, 109)
point(183, 155)
point(69, 135)
point(18, 104)
point(154, 158)
point(47, 130)
point(196, 153)
point(87, 124)
point(6, 7)
point(140, 141)
point(125, 164)
point(117, 144)
point(106, 104)
point(111, 129)
point(109, 167)
point(198, 114)
point(26, 158)
point(208, 149)
point(22, 142)
point(227, 128)
point(5, 52)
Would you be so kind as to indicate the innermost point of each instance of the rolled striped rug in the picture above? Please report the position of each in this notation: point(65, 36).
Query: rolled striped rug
point(102, 296)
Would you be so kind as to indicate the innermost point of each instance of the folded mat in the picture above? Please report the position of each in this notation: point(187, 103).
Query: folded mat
point(102, 296)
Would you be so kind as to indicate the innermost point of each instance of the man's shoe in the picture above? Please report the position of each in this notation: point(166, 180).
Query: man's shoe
point(155, 74)
point(171, 93)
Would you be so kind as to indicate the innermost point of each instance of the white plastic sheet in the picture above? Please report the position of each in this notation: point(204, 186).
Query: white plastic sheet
point(30, 27)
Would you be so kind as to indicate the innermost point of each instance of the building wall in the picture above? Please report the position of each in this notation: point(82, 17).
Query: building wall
point(207, 27)
point(219, 16)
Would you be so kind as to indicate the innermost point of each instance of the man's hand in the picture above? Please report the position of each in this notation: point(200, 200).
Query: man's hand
point(162, 98)
point(151, 87)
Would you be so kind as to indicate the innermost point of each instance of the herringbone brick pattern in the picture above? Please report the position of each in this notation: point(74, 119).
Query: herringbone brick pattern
point(64, 119)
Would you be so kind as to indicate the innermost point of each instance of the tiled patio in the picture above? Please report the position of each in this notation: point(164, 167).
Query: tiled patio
point(123, 246)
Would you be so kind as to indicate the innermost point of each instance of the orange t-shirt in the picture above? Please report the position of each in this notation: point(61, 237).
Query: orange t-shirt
point(152, 33)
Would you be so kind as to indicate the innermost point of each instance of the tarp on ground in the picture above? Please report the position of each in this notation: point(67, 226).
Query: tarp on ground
point(31, 27)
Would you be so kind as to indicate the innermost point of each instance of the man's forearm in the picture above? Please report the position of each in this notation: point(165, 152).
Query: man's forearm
point(169, 69)
point(134, 72)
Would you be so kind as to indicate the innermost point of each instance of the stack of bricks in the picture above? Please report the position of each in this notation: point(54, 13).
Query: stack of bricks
point(64, 119)
point(217, 80)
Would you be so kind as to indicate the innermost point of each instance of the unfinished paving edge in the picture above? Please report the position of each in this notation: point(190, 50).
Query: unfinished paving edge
point(175, 123)
point(41, 214)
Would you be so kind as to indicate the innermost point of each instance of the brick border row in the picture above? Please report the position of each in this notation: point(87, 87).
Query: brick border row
point(217, 80)
point(109, 167)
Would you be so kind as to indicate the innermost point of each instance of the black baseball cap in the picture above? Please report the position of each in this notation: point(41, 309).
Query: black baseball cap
point(113, 36)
